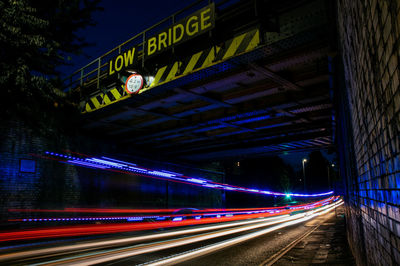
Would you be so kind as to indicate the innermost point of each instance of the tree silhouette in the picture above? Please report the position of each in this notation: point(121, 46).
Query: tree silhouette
point(35, 38)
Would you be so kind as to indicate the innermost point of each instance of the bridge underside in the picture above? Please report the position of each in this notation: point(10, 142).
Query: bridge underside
point(274, 99)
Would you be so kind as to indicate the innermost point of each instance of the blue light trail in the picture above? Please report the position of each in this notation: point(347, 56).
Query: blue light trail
point(105, 163)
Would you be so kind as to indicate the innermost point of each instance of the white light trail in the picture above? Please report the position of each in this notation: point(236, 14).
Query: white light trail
point(121, 253)
point(129, 240)
point(224, 244)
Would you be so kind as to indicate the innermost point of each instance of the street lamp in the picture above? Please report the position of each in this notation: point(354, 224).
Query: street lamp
point(304, 173)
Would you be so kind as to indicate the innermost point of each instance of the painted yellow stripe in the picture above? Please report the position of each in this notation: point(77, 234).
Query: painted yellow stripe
point(173, 72)
point(211, 56)
point(95, 102)
point(106, 100)
point(192, 62)
point(115, 93)
point(254, 41)
point(87, 108)
point(234, 45)
point(158, 76)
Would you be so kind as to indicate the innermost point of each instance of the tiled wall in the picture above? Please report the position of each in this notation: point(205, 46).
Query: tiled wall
point(369, 38)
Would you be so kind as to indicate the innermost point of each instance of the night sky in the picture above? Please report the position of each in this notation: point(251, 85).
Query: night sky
point(123, 19)
point(119, 21)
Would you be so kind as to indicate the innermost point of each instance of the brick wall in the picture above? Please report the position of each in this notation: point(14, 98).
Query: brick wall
point(31, 190)
point(369, 36)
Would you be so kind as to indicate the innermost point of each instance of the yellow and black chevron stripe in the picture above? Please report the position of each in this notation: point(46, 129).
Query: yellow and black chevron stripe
point(103, 99)
point(238, 45)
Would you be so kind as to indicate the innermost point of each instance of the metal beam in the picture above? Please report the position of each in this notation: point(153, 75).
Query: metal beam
point(256, 151)
point(237, 126)
point(275, 77)
point(153, 113)
point(244, 145)
point(199, 121)
point(287, 128)
point(203, 97)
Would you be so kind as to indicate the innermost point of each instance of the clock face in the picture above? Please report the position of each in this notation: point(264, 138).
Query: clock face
point(134, 83)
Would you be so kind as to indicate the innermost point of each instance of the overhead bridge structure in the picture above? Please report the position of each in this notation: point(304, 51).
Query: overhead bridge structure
point(222, 79)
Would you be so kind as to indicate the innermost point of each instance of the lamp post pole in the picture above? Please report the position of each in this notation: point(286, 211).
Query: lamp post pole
point(329, 176)
point(304, 174)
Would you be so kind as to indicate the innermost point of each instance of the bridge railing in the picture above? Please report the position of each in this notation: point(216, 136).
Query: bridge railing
point(94, 72)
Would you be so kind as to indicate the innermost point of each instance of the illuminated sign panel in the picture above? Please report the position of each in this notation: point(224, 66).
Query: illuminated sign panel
point(197, 23)
point(122, 61)
point(27, 166)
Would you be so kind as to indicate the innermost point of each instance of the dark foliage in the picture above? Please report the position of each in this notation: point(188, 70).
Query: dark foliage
point(35, 38)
